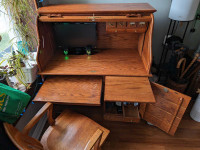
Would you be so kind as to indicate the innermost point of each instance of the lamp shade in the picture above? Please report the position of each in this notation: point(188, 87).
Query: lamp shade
point(183, 10)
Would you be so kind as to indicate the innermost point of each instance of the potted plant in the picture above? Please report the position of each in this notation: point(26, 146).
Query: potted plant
point(5, 73)
point(13, 67)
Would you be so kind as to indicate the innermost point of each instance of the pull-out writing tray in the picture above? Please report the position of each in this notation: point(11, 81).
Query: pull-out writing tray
point(77, 90)
point(128, 89)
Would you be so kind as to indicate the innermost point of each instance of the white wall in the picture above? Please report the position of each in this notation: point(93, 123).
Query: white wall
point(161, 21)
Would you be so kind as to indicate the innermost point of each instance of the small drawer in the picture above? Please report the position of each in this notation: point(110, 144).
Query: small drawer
point(121, 25)
point(141, 25)
point(111, 25)
point(131, 24)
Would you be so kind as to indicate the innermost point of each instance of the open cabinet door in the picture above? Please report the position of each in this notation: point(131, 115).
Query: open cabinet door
point(168, 110)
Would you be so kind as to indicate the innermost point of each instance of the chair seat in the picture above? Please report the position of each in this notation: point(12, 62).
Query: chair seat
point(71, 131)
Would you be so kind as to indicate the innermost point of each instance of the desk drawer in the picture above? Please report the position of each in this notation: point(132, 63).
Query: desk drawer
point(128, 89)
point(76, 90)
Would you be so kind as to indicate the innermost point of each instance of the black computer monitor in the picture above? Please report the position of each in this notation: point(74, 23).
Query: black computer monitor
point(73, 35)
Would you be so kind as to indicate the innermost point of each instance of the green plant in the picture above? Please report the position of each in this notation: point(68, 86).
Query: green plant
point(14, 66)
point(21, 15)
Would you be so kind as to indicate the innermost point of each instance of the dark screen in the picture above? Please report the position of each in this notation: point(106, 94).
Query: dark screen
point(71, 35)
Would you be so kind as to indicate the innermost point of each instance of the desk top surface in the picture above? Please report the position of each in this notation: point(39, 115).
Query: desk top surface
point(123, 62)
point(97, 8)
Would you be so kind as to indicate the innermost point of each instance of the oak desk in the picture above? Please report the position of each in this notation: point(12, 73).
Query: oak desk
point(118, 72)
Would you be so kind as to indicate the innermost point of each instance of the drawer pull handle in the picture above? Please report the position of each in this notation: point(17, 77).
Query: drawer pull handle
point(132, 23)
point(54, 16)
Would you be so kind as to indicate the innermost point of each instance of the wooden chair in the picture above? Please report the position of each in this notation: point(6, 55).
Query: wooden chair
point(69, 131)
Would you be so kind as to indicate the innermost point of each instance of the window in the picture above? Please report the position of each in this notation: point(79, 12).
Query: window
point(6, 33)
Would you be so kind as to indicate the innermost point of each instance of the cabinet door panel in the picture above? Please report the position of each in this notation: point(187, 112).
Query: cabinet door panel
point(168, 110)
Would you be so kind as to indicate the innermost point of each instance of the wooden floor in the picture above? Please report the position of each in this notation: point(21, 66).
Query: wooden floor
point(140, 136)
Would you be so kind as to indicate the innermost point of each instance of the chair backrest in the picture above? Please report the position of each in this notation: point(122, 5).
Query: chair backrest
point(20, 140)
point(24, 142)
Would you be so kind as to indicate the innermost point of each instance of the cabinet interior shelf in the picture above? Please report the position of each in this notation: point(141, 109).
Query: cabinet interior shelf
point(123, 62)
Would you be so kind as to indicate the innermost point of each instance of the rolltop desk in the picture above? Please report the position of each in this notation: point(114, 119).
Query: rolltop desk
point(118, 72)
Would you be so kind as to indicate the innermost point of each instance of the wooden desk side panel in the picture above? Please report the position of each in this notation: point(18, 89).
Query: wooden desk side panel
point(141, 43)
point(38, 38)
point(46, 45)
point(147, 48)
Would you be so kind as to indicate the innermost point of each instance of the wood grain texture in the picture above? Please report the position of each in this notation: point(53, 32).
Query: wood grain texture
point(147, 47)
point(124, 62)
point(107, 40)
point(98, 64)
point(46, 45)
point(128, 89)
point(97, 8)
point(71, 131)
point(77, 90)
point(94, 141)
point(168, 110)
point(20, 140)
point(141, 43)
point(91, 18)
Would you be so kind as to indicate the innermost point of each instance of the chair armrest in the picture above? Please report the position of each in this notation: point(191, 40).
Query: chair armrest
point(48, 107)
point(94, 140)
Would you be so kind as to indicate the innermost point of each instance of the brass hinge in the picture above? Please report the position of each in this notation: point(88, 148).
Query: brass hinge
point(93, 18)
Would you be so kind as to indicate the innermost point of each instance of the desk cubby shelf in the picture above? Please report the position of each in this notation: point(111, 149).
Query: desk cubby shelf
point(123, 62)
